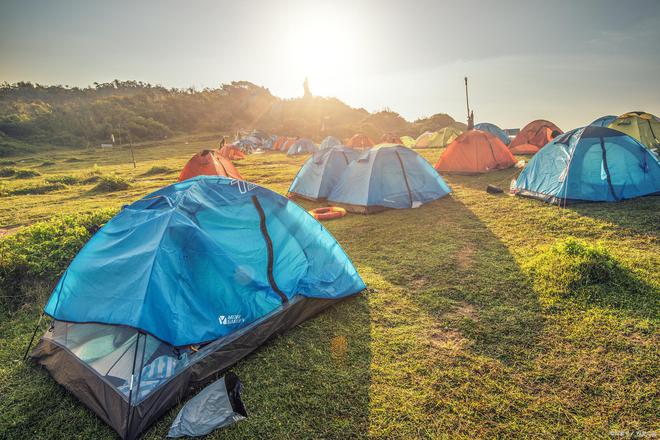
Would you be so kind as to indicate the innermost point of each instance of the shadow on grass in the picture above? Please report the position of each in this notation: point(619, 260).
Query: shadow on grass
point(455, 269)
point(639, 215)
point(499, 178)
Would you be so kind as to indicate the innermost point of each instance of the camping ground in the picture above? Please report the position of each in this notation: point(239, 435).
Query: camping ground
point(461, 332)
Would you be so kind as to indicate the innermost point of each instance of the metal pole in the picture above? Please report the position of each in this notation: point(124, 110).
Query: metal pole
point(130, 386)
point(467, 99)
point(130, 145)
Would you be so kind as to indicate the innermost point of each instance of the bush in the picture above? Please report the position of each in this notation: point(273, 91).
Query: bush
point(65, 180)
point(157, 170)
point(41, 253)
point(576, 270)
point(26, 174)
point(7, 171)
point(41, 188)
point(111, 183)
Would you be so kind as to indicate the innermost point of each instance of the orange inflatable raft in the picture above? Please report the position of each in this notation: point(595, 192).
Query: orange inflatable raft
point(327, 213)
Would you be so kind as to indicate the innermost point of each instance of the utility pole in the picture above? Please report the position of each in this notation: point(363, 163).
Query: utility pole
point(467, 98)
point(130, 145)
point(470, 115)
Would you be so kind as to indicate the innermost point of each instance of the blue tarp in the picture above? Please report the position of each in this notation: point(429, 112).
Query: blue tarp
point(591, 164)
point(321, 172)
point(302, 146)
point(495, 130)
point(604, 121)
point(189, 263)
point(389, 176)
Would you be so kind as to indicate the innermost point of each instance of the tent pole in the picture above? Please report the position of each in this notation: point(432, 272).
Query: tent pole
point(130, 387)
point(36, 328)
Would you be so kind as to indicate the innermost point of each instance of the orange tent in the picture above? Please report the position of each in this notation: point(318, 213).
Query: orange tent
point(390, 138)
point(474, 152)
point(360, 141)
point(209, 163)
point(232, 153)
point(277, 145)
point(288, 142)
point(533, 137)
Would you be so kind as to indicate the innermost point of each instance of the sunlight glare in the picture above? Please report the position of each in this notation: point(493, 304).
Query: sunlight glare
point(321, 48)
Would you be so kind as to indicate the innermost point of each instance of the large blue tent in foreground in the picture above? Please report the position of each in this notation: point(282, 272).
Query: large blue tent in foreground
point(388, 176)
point(321, 172)
point(594, 164)
point(181, 285)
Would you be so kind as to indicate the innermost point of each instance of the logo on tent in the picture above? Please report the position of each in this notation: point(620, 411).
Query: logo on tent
point(230, 319)
point(243, 186)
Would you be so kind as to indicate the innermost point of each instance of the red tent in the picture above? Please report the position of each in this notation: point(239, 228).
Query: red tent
point(277, 145)
point(390, 138)
point(231, 152)
point(360, 142)
point(474, 152)
point(209, 163)
point(533, 137)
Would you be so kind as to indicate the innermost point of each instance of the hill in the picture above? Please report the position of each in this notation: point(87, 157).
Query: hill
point(131, 111)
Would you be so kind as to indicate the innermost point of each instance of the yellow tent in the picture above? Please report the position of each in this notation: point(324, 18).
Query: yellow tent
point(644, 127)
point(440, 138)
point(408, 141)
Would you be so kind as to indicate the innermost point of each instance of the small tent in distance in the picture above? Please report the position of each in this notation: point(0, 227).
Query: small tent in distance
point(534, 136)
point(209, 163)
point(475, 152)
point(594, 164)
point(302, 146)
point(321, 172)
point(437, 139)
point(387, 177)
point(408, 141)
point(494, 129)
point(329, 142)
point(360, 141)
point(644, 127)
point(390, 138)
point(232, 153)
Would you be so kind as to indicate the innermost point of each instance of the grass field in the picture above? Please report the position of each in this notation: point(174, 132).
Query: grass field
point(453, 338)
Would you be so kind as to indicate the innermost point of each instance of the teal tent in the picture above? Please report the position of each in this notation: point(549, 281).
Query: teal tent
point(594, 164)
point(388, 176)
point(321, 172)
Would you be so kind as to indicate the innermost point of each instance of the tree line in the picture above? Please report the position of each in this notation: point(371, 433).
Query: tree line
point(133, 111)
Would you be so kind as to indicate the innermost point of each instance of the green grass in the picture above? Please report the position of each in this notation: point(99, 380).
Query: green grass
point(463, 332)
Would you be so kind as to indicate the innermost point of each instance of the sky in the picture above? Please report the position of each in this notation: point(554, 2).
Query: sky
point(567, 61)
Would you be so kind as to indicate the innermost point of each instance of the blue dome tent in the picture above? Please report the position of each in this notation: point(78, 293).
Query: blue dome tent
point(595, 164)
point(329, 142)
point(604, 121)
point(495, 130)
point(321, 173)
point(388, 176)
point(180, 285)
point(302, 146)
